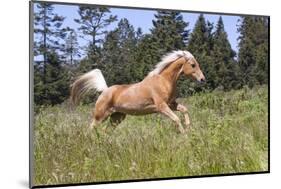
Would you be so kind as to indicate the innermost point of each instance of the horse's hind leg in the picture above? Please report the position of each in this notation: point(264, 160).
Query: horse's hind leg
point(116, 118)
point(101, 112)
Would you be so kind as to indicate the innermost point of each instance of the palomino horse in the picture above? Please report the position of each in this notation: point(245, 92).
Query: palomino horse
point(155, 93)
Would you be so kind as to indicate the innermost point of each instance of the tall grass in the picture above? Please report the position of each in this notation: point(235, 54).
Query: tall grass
point(229, 134)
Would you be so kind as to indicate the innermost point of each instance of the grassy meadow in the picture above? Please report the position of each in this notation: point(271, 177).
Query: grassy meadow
point(228, 134)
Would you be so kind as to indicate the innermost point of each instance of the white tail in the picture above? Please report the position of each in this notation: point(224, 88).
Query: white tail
point(92, 80)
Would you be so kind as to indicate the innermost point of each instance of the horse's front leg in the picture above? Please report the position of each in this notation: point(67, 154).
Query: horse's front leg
point(163, 108)
point(181, 108)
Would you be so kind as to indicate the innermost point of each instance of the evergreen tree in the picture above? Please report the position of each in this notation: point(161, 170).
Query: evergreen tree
point(48, 32)
point(93, 21)
point(118, 53)
point(201, 38)
point(253, 50)
point(168, 33)
point(227, 71)
point(261, 57)
point(71, 47)
point(56, 87)
point(139, 34)
point(145, 57)
point(110, 54)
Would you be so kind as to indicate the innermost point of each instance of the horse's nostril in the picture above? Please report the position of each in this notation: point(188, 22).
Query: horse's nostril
point(203, 80)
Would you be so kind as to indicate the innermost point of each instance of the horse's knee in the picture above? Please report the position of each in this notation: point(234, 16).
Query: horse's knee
point(97, 117)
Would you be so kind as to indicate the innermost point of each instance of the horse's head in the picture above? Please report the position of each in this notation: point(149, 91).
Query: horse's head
point(192, 69)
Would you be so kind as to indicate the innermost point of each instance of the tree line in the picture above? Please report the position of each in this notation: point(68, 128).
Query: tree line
point(126, 55)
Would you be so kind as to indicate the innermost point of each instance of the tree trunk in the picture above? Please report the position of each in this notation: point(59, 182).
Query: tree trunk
point(44, 46)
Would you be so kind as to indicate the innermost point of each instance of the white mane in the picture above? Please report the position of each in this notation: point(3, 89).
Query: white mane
point(168, 59)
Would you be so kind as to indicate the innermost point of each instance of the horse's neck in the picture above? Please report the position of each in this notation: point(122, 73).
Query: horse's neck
point(171, 74)
point(173, 71)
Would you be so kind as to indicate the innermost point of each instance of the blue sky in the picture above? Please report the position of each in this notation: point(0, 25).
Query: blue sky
point(143, 19)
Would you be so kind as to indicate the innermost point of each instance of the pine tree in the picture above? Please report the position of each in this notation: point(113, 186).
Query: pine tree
point(145, 57)
point(93, 21)
point(139, 34)
point(226, 68)
point(110, 54)
point(253, 50)
point(169, 32)
point(48, 32)
point(55, 89)
point(71, 47)
point(261, 68)
point(142, 64)
point(200, 41)
point(118, 53)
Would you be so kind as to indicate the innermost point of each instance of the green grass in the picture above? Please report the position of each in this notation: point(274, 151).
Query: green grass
point(229, 134)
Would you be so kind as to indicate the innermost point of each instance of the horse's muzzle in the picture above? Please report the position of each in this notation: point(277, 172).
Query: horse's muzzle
point(202, 80)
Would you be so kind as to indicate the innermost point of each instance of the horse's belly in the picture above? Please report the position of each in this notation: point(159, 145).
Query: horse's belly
point(134, 100)
point(136, 109)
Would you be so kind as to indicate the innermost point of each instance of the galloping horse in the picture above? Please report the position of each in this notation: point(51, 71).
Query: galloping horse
point(155, 93)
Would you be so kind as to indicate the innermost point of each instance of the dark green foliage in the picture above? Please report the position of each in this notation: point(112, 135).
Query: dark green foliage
point(55, 89)
point(169, 31)
point(227, 70)
point(253, 53)
point(118, 53)
point(145, 57)
point(200, 41)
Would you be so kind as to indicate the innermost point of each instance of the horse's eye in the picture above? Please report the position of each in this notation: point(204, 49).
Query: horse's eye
point(193, 65)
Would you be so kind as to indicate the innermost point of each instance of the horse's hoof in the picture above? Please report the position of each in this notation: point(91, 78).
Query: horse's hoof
point(181, 130)
point(104, 129)
point(90, 128)
point(187, 127)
